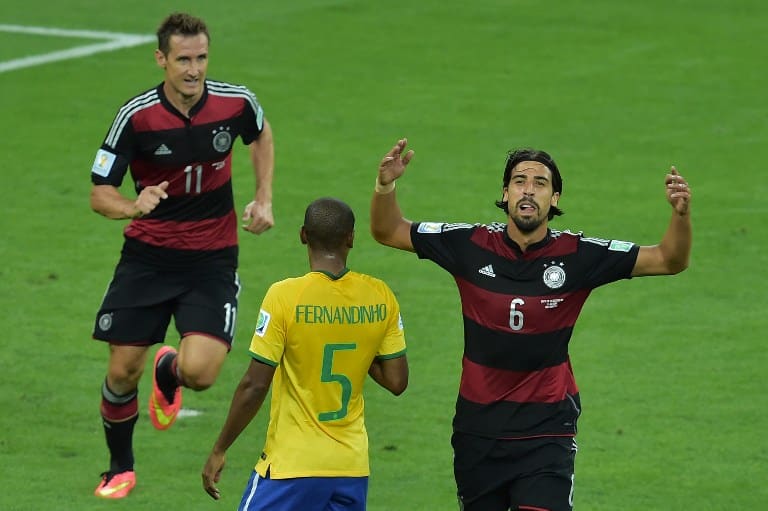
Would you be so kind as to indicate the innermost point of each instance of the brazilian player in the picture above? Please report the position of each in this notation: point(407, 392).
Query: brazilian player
point(316, 338)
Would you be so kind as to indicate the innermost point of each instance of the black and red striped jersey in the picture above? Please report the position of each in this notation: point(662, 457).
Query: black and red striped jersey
point(158, 143)
point(519, 310)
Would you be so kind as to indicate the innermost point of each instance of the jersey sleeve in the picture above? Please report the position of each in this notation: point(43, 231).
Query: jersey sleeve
point(114, 156)
point(268, 341)
point(440, 242)
point(611, 260)
point(393, 344)
point(253, 118)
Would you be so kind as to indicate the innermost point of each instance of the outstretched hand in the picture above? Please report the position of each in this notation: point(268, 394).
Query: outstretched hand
point(393, 164)
point(678, 192)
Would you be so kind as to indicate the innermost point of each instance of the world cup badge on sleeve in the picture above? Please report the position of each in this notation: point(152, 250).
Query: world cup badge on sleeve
point(262, 323)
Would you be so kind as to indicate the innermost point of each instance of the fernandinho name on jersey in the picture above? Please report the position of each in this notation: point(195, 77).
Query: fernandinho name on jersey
point(333, 315)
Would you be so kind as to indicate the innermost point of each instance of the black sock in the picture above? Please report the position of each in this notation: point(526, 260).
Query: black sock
point(119, 415)
point(165, 374)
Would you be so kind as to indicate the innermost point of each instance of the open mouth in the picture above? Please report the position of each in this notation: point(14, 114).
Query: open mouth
point(526, 207)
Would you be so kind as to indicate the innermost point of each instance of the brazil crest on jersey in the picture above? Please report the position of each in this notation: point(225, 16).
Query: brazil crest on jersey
point(322, 333)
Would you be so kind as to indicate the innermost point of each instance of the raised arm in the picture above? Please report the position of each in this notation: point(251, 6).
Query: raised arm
point(388, 225)
point(671, 255)
point(258, 217)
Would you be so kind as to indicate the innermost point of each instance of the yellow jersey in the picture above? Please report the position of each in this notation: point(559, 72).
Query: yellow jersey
point(322, 332)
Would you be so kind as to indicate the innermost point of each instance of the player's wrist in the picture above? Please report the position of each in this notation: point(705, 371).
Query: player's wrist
point(135, 212)
point(384, 189)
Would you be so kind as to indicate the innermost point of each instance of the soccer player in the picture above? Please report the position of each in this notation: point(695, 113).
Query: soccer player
point(179, 257)
point(317, 336)
point(522, 286)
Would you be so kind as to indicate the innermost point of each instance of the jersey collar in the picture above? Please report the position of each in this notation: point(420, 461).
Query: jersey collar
point(333, 276)
point(192, 112)
point(534, 246)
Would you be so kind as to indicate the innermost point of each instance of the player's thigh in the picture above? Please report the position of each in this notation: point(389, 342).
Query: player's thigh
point(209, 306)
point(549, 487)
point(266, 494)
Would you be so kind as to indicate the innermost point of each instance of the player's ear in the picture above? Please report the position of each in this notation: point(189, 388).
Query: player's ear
point(351, 239)
point(160, 59)
point(303, 235)
point(555, 198)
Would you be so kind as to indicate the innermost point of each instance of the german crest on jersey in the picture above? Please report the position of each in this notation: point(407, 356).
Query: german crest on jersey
point(222, 140)
point(554, 275)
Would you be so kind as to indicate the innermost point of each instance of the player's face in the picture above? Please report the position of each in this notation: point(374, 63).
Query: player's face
point(185, 65)
point(530, 195)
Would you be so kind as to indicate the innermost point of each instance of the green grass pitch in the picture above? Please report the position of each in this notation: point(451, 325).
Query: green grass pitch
point(671, 370)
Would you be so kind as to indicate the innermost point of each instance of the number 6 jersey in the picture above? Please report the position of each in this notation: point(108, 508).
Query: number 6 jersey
point(519, 311)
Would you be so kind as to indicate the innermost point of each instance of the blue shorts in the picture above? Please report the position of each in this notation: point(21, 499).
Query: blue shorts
point(304, 493)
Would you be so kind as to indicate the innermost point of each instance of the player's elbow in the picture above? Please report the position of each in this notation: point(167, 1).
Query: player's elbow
point(96, 201)
point(381, 234)
point(676, 262)
point(397, 383)
point(678, 267)
point(398, 387)
point(396, 235)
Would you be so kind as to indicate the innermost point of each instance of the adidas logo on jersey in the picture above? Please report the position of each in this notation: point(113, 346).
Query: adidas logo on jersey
point(487, 270)
point(162, 150)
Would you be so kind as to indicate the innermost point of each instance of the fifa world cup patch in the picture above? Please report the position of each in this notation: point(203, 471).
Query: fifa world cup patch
point(102, 165)
point(263, 323)
point(430, 227)
point(620, 246)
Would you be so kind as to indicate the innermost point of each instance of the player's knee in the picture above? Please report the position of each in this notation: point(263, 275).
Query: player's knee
point(197, 380)
point(124, 378)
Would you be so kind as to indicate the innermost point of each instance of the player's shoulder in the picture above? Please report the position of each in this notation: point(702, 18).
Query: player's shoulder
point(457, 227)
point(228, 89)
point(140, 101)
point(591, 241)
point(365, 278)
point(374, 284)
point(566, 234)
point(285, 287)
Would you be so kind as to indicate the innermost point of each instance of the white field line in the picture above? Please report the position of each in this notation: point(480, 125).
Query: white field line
point(112, 41)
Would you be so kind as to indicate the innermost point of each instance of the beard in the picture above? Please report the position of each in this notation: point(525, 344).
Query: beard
point(527, 225)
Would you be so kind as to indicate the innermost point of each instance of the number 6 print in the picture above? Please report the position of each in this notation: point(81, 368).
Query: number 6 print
point(516, 316)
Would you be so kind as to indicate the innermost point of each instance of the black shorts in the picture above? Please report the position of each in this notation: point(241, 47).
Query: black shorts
point(140, 301)
point(497, 475)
